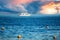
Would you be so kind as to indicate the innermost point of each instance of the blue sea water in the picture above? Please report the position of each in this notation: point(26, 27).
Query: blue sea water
point(30, 28)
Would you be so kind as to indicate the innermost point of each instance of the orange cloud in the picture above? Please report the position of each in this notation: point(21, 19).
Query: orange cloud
point(50, 8)
point(46, 0)
point(26, 1)
point(21, 1)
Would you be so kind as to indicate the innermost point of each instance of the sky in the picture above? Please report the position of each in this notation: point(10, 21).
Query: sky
point(21, 7)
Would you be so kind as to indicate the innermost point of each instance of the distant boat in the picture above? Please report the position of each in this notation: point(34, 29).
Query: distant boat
point(25, 14)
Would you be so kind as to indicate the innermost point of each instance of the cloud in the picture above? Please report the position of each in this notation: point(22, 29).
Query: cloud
point(6, 5)
point(22, 1)
point(4, 2)
point(18, 6)
point(45, 0)
point(50, 8)
point(48, 0)
point(5, 9)
point(28, 1)
point(13, 8)
point(33, 7)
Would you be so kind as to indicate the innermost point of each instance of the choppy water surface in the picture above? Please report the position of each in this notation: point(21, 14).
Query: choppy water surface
point(30, 28)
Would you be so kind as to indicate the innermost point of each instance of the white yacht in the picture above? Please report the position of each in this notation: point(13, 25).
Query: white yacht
point(25, 14)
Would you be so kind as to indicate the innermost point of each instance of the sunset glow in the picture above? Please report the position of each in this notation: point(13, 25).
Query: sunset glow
point(21, 1)
point(50, 8)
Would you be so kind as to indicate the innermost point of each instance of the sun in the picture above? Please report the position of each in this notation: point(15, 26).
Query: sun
point(50, 8)
point(49, 11)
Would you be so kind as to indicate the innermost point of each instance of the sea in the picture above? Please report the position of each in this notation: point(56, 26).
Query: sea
point(30, 28)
